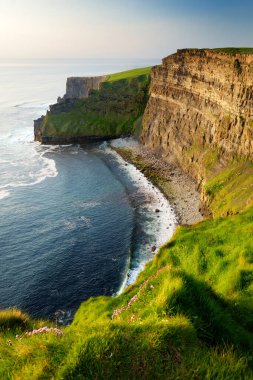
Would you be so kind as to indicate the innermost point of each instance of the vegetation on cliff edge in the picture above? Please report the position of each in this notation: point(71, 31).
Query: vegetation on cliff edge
point(113, 110)
point(234, 50)
point(226, 50)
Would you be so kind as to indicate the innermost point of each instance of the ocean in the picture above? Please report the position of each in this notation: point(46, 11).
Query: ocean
point(75, 221)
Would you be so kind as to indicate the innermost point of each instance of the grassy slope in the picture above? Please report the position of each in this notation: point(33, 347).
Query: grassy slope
point(112, 111)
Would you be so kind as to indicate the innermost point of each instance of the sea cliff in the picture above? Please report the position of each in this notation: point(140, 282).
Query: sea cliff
point(200, 110)
point(96, 108)
point(201, 100)
point(189, 315)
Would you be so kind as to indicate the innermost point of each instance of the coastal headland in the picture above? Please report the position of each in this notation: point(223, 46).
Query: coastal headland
point(189, 315)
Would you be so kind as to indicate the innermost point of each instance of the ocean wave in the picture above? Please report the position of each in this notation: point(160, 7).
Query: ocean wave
point(32, 105)
point(4, 194)
point(88, 204)
point(73, 224)
point(5, 136)
point(48, 170)
point(125, 142)
point(69, 225)
point(22, 135)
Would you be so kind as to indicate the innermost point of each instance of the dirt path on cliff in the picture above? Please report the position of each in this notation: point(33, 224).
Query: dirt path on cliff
point(166, 174)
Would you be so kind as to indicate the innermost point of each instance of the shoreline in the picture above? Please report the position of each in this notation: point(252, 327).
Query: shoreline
point(165, 174)
point(159, 217)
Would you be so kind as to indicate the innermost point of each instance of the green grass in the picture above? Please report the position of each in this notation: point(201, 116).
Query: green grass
point(234, 50)
point(230, 190)
point(129, 74)
point(227, 50)
point(227, 187)
point(114, 110)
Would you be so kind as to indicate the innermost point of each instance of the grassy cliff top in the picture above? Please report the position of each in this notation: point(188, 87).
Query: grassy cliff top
point(226, 50)
point(129, 74)
point(234, 50)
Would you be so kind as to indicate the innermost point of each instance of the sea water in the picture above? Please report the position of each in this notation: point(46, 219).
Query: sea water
point(75, 221)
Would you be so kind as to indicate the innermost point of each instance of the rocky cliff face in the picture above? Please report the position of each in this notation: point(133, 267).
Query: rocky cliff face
point(79, 87)
point(76, 88)
point(201, 102)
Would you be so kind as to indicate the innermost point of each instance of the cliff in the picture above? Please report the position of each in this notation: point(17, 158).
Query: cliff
point(201, 110)
point(189, 315)
point(96, 108)
point(80, 87)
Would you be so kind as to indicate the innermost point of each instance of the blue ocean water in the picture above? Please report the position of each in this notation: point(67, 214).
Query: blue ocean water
point(75, 221)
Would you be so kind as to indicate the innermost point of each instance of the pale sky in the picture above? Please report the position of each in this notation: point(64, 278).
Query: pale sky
point(120, 28)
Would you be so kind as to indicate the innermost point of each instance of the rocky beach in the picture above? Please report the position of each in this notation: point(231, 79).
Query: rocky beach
point(165, 173)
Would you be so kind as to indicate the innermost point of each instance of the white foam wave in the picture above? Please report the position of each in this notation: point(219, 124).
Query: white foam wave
point(5, 136)
point(85, 220)
point(48, 170)
point(124, 142)
point(32, 105)
point(89, 204)
point(4, 194)
point(72, 224)
point(69, 225)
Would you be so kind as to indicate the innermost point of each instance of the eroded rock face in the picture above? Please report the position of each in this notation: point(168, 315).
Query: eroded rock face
point(37, 128)
point(79, 87)
point(76, 88)
point(200, 100)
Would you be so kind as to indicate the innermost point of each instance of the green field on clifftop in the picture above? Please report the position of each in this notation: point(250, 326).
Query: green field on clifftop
point(129, 74)
point(234, 50)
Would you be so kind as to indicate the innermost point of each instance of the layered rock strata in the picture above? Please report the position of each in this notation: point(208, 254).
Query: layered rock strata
point(201, 101)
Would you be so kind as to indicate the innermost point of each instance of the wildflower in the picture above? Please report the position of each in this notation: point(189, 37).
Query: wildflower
point(131, 319)
point(142, 287)
point(118, 311)
point(132, 300)
point(43, 330)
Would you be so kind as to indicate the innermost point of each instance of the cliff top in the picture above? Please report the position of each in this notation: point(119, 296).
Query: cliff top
point(115, 76)
point(128, 74)
point(226, 50)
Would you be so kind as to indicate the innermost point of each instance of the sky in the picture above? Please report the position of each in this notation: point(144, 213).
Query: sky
point(34, 29)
